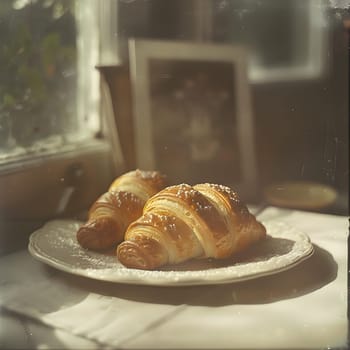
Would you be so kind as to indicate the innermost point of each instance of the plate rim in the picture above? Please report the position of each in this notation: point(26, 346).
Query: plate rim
point(153, 279)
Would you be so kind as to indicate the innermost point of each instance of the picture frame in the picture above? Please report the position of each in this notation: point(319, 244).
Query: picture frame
point(193, 113)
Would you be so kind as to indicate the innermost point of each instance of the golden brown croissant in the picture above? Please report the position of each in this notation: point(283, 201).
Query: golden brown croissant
point(184, 222)
point(111, 214)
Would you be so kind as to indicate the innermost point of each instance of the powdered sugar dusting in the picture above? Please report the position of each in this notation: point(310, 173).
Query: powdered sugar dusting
point(196, 200)
point(119, 199)
point(232, 195)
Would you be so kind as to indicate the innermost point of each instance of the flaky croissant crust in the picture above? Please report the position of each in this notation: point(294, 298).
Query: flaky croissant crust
point(114, 210)
point(183, 222)
point(142, 183)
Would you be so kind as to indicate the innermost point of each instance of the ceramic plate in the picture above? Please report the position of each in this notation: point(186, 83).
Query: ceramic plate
point(55, 244)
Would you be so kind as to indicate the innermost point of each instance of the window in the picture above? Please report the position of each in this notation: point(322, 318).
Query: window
point(49, 97)
point(52, 141)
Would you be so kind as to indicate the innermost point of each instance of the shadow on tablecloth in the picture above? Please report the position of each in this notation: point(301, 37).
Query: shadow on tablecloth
point(314, 273)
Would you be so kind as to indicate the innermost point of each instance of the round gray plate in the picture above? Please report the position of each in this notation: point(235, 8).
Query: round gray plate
point(55, 244)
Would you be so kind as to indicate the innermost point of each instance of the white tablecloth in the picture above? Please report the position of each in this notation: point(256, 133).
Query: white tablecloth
point(304, 307)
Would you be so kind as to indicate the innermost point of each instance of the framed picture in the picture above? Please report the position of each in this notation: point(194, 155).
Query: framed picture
point(193, 113)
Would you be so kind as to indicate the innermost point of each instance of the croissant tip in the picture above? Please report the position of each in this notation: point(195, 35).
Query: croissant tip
point(98, 235)
point(131, 256)
point(145, 254)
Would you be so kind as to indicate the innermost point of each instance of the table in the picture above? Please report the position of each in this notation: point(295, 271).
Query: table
point(302, 308)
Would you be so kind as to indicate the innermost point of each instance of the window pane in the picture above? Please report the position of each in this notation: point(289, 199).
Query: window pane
point(45, 59)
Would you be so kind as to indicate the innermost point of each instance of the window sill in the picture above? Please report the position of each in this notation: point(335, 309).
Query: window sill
point(55, 184)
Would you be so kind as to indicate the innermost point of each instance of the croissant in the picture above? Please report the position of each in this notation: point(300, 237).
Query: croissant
point(114, 210)
point(183, 222)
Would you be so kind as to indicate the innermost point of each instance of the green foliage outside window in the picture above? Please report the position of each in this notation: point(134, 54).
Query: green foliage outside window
point(37, 69)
